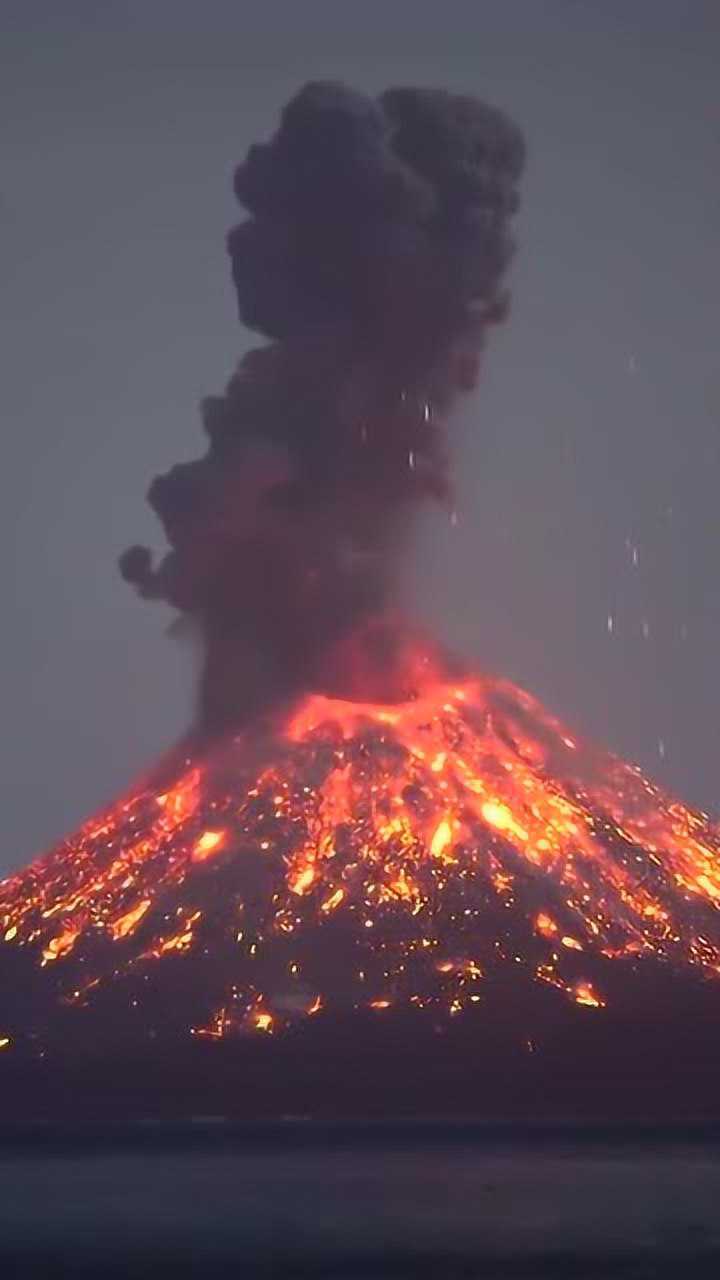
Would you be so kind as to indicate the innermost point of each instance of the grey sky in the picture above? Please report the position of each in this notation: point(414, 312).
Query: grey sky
point(593, 442)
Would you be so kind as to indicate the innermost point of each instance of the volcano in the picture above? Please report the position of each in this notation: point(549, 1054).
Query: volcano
point(364, 856)
point(367, 861)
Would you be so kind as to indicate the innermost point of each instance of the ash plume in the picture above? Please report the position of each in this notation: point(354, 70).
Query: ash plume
point(372, 259)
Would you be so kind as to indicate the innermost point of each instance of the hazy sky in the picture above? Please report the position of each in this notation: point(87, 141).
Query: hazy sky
point(592, 444)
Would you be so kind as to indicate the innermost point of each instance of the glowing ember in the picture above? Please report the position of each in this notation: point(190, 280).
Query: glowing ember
point(208, 844)
point(584, 994)
point(377, 857)
point(442, 837)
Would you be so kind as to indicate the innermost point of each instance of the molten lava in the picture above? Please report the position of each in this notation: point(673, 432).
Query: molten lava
point(374, 856)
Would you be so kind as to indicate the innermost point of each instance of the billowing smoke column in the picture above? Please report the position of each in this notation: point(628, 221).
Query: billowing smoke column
point(373, 259)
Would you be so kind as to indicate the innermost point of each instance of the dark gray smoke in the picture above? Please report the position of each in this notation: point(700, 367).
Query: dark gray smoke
point(373, 259)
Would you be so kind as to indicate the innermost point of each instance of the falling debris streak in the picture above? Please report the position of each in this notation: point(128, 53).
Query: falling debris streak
point(402, 828)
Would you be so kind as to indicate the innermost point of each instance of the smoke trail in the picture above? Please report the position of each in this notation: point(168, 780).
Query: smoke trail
point(372, 258)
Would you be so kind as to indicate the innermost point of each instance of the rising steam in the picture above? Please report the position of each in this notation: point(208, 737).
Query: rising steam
point(372, 259)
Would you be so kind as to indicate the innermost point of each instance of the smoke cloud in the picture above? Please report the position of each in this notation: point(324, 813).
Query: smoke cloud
point(372, 260)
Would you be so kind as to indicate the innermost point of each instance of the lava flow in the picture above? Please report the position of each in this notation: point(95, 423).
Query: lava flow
point(368, 856)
